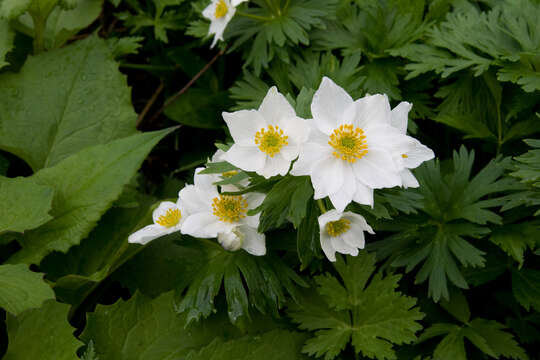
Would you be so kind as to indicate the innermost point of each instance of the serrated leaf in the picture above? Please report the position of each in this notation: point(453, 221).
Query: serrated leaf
point(42, 333)
point(369, 313)
point(10, 9)
point(90, 104)
point(286, 201)
point(22, 289)
point(148, 329)
point(307, 236)
point(86, 184)
point(272, 345)
point(526, 288)
point(25, 204)
point(515, 239)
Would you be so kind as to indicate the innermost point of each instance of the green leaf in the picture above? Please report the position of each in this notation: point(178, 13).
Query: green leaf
point(526, 288)
point(6, 41)
point(261, 282)
point(22, 289)
point(369, 313)
point(148, 329)
point(515, 239)
point(42, 333)
point(200, 108)
point(458, 306)
point(272, 345)
point(10, 9)
point(307, 236)
point(287, 201)
point(90, 353)
point(86, 184)
point(487, 335)
point(25, 204)
point(90, 104)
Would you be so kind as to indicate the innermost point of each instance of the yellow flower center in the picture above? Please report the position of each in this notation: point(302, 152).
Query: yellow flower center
point(271, 140)
point(404, 156)
point(171, 218)
point(229, 208)
point(229, 174)
point(335, 228)
point(221, 9)
point(349, 143)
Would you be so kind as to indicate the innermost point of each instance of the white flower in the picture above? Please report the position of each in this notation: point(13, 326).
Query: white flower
point(350, 147)
point(220, 12)
point(168, 218)
point(342, 233)
point(413, 157)
point(222, 216)
point(268, 139)
point(219, 156)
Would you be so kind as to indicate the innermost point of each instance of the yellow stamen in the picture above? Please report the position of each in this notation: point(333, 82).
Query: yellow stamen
point(229, 174)
point(349, 143)
point(271, 140)
point(171, 218)
point(404, 156)
point(221, 9)
point(335, 228)
point(230, 208)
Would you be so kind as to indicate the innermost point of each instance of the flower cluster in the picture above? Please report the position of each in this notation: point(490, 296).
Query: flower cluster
point(348, 149)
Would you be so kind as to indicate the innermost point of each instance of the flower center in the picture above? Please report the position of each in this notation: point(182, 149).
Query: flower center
point(271, 140)
point(335, 228)
point(229, 208)
point(404, 156)
point(349, 143)
point(229, 174)
point(221, 9)
point(171, 218)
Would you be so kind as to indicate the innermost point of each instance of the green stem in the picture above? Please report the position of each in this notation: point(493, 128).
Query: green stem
point(252, 16)
point(39, 31)
point(287, 5)
point(320, 203)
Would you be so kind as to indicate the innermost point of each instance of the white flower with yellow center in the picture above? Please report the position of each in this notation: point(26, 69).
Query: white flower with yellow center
point(417, 154)
point(223, 216)
point(342, 233)
point(350, 147)
point(220, 12)
point(219, 156)
point(168, 218)
point(266, 140)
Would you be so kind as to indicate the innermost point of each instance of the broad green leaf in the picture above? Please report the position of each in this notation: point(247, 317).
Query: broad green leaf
point(526, 288)
point(22, 289)
point(42, 333)
point(25, 204)
point(307, 236)
point(6, 41)
point(200, 108)
point(366, 311)
point(149, 329)
point(86, 184)
point(90, 104)
point(10, 9)
point(272, 345)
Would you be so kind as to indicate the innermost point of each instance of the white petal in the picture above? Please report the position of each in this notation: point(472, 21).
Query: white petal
point(377, 170)
point(342, 247)
point(327, 176)
point(328, 249)
point(354, 237)
point(210, 10)
point(328, 105)
point(162, 209)
point(349, 116)
point(310, 155)
point(237, 2)
point(246, 158)
point(358, 221)
point(275, 107)
point(254, 242)
point(218, 156)
point(345, 194)
point(372, 110)
point(389, 138)
point(297, 131)
point(254, 199)
point(243, 125)
point(275, 165)
point(330, 215)
point(418, 155)
point(400, 115)
point(205, 225)
point(408, 179)
point(363, 194)
point(147, 234)
point(205, 181)
point(195, 200)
